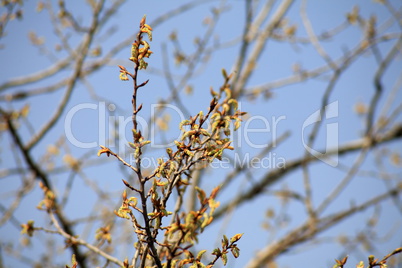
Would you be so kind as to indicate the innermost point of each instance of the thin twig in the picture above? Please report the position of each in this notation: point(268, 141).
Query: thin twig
point(83, 48)
point(261, 42)
point(307, 231)
point(275, 175)
point(75, 240)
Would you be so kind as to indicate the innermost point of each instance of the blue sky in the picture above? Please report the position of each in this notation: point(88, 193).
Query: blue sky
point(294, 103)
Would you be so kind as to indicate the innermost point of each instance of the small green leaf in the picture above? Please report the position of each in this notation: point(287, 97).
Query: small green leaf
point(73, 260)
point(200, 194)
point(224, 73)
point(188, 152)
point(151, 214)
point(216, 252)
point(225, 241)
point(234, 104)
point(236, 252)
point(199, 255)
point(213, 93)
point(205, 132)
point(235, 238)
point(216, 116)
point(133, 145)
point(224, 259)
point(237, 124)
point(228, 93)
point(144, 143)
point(226, 107)
point(188, 134)
point(184, 123)
point(132, 201)
point(207, 220)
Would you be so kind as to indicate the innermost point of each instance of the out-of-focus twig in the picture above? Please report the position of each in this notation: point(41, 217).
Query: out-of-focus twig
point(83, 48)
point(308, 230)
point(258, 48)
point(75, 240)
point(275, 175)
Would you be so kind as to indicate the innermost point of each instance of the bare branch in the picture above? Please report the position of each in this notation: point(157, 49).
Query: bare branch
point(75, 240)
point(310, 229)
point(275, 175)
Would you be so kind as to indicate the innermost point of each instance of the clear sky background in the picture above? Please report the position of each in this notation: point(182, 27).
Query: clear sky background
point(291, 105)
